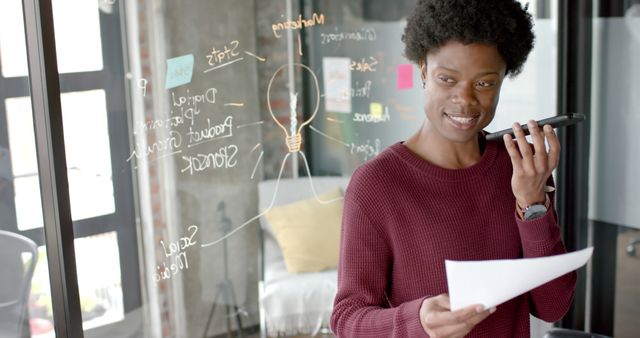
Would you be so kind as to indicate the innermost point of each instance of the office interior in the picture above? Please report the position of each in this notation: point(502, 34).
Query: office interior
point(141, 141)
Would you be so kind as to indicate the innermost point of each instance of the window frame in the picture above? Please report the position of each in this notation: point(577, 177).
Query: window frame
point(44, 85)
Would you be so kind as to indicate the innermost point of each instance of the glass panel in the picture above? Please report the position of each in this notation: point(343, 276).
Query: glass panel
point(614, 161)
point(21, 134)
point(211, 116)
point(533, 93)
point(341, 142)
point(13, 50)
point(40, 307)
point(78, 50)
point(25, 298)
point(24, 163)
point(194, 123)
point(87, 151)
point(27, 193)
point(627, 299)
point(614, 140)
point(99, 279)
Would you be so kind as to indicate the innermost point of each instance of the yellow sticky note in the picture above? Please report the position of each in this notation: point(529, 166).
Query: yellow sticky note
point(375, 110)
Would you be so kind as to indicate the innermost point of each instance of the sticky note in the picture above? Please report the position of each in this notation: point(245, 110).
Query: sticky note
point(405, 76)
point(375, 110)
point(179, 71)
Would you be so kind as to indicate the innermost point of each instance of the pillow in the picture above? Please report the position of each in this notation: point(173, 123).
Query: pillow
point(308, 232)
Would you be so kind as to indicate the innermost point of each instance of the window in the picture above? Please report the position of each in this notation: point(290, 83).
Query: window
point(93, 127)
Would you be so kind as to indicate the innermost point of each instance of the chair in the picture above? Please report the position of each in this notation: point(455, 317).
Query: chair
point(566, 333)
point(292, 304)
point(15, 283)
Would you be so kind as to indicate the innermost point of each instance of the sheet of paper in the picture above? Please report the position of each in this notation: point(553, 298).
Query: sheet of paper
point(336, 76)
point(493, 282)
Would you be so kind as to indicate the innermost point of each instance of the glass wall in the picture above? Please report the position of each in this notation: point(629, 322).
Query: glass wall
point(190, 124)
point(614, 183)
point(370, 34)
point(25, 296)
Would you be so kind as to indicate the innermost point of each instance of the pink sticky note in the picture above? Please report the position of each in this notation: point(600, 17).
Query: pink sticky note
point(405, 76)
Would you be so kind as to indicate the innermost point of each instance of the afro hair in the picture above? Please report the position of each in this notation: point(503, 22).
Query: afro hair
point(504, 24)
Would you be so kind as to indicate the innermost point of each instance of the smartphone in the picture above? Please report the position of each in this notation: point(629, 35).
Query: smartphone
point(555, 122)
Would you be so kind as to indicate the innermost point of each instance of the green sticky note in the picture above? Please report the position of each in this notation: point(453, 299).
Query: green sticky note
point(375, 110)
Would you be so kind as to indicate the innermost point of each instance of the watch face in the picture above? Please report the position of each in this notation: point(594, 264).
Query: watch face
point(535, 211)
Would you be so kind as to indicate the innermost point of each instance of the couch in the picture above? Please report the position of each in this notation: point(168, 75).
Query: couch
point(292, 303)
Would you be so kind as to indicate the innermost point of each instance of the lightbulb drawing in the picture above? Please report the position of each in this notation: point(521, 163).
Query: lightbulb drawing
point(293, 135)
point(293, 139)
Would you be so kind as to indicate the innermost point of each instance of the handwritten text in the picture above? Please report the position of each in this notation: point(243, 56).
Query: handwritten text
point(211, 132)
point(192, 100)
point(163, 146)
point(175, 254)
point(367, 149)
point(224, 55)
point(363, 34)
point(371, 118)
point(297, 24)
point(357, 91)
point(224, 158)
point(364, 65)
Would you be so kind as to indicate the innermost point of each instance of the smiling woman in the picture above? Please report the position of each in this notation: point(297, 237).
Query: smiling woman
point(448, 176)
point(462, 87)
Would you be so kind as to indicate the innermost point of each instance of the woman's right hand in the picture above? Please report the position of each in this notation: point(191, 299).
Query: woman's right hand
point(438, 320)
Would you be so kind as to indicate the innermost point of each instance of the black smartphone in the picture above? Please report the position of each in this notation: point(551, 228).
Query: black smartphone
point(555, 122)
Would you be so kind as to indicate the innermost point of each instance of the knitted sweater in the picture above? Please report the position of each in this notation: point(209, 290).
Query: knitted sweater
point(403, 217)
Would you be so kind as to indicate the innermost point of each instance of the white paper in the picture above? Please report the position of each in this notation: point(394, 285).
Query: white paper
point(493, 282)
point(336, 76)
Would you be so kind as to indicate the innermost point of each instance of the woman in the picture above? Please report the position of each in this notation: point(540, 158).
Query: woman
point(447, 193)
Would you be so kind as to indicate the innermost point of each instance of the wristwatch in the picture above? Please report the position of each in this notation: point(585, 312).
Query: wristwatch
point(534, 211)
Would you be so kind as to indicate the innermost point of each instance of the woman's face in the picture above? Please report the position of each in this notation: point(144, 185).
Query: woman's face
point(462, 86)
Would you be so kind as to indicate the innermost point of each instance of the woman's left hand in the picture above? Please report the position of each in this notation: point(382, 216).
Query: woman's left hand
point(532, 166)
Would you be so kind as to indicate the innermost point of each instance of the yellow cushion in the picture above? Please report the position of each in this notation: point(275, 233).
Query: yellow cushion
point(308, 232)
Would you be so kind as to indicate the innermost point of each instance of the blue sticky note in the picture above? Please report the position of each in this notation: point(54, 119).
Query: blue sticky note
point(179, 71)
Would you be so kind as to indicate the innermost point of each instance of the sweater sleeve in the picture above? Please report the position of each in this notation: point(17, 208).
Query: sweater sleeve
point(541, 237)
point(360, 307)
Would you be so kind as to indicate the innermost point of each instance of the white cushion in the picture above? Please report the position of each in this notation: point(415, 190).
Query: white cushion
point(297, 303)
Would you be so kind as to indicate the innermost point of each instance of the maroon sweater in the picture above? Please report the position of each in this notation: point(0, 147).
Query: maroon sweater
point(403, 217)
